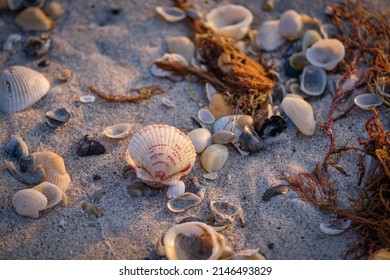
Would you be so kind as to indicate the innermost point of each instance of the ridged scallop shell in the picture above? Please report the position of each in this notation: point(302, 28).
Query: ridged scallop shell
point(326, 53)
point(290, 25)
point(201, 139)
point(29, 202)
point(20, 87)
point(117, 131)
point(193, 241)
point(181, 45)
point(214, 157)
point(160, 154)
point(34, 19)
point(300, 112)
point(54, 167)
point(183, 202)
point(313, 80)
point(269, 37)
point(230, 20)
point(53, 194)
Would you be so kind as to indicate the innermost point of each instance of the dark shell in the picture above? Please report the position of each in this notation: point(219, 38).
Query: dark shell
point(277, 190)
point(33, 177)
point(44, 63)
point(290, 71)
point(272, 127)
point(38, 46)
point(27, 164)
point(250, 141)
point(16, 147)
point(89, 147)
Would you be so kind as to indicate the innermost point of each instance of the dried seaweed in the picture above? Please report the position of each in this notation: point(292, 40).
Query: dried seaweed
point(144, 93)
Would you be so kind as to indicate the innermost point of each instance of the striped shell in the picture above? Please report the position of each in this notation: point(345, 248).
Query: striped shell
point(160, 154)
point(52, 192)
point(20, 87)
point(29, 202)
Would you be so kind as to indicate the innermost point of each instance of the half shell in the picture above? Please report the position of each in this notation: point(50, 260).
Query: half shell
point(290, 25)
point(326, 53)
point(29, 202)
point(366, 100)
point(269, 37)
point(225, 212)
point(20, 87)
point(181, 45)
point(201, 138)
point(300, 112)
point(16, 147)
point(183, 202)
point(171, 14)
point(313, 80)
point(117, 131)
point(214, 157)
point(53, 194)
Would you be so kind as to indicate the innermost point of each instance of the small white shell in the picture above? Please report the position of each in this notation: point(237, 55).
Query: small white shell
point(300, 112)
point(173, 57)
point(167, 102)
point(214, 157)
point(87, 98)
point(176, 190)
point(290, 25)
point(53, 194)
point(269, 37)
point(29, 202)
point(11, 40)
point(205, 116)
point(171, 14)
point(181, 45)
point(326, 53)
point(20, 87)
point(117, 131)
point(365, 100)
point(183, 202)
point(201, 139)
point(309, 38)
point(330, 229)
point(210, 175)
point(210, 91)
point(230, 20)
point(313, 80)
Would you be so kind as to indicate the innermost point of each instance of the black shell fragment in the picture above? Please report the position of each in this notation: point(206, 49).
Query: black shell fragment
point(89, 147)
point(272, 127)
point(274, 191)
point(250, 141)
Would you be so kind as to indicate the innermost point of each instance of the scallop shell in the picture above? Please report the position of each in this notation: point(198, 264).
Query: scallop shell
point(183, 202)
point(176, 190)
point(181, 45)
point(34, 19)
point(214, 157)
point(20, 87)
point(201, 139)
point(290, 25)
point(326, 53)
point(171, 14)
point(16, 147)
point(310, 37)
point(160, 154)
point(205, 116)
point(29, 202)
point(300, 112)
point(313, 80)
point(269, 37)
point(366, 100)
point(193, 241)
point(53, 194)
point(230, 20)
point(117, 131)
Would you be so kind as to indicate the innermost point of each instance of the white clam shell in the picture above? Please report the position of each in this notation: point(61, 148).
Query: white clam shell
point(20, 87)
point(269, 37)
point(29, 202)
point(365, 100)
point(290, 25)
point(87, 98)
point(117, 131)
point(214, 157)
point(172, 57)
point(171, 14)
point(192, 241)
point(53, 194)
point(201, 139)
point(300, 112)
point(326, 53)
point(176, 190)
point(183, 202)
point(309, 38)
point(313, 80)
point(330, 229)
point(205, 116)
point(160, 154)
point(181, 45)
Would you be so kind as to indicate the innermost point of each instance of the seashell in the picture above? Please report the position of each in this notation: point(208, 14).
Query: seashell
point(225, 212)
point(20, 87)
point(230, 20)
point(313, 80)
point(10, 42)
point(171, 14)
point(33, 3)
point(366, 100)
point(52, 193)
point(274, 191)
point(326, 53)
point(87, 98)
point(210, 91)
point(224, 62)
point(54, 10)
point(223, 137)
point(349, 83)
point(268, 5)
point(269, 37)
point(298, 61)
point(290, 25)
point(219, 106)
point(259, 118)
point(248, 254)
point(205, 116)
point(29, 202)
point(328, 30)
point(16, 147)
point(181, 45)
point(57, 117)
point(250, 141)
point(27, 164)
point(309, 38)
point(243, 121)
point(272, 126)
point(92, 209)
point(180, 241)
point(139, 189)
point(227, 123)
point(381, 254)
point(201, 139)
point(88, 147)
point(300, 112)
point(176, 190)
point(117, 131)
point(168, 103)
point(160, 154)
point(33, 19)
point(210, 175)
point(241, 45)
point(333, 229)
point(196, 123)
point(372, 168)
point(36, 175)
point(38, 46)
point(183, 202)
point(172, 57)
point(65, 75)
point(214, 157)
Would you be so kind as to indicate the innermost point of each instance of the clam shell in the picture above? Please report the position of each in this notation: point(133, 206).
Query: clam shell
point(298, 61)
point(223, 137)
point(11, 40)
point(87, 98)
point(34, 19)
point(201, 139)
point(58, 117)
point(269, 37)
point(117, 131)
point(53, 194)
point(183, 202)
point(313, 80)
point(160, 154)
point(176, 190)
point(54, 10)
point(193, 241)
point(309, 38)
point(219, 106)
point(326, 53)
point(181, 45)
point(300, 112)
point(290, 25)
point(214, 157)
point(366, 100)
point(205, 116)
point(330, 229)
point(230, 20)
point(225, 212)
point(173, 57)
point(20, 87)
point(171, 14)
point(250, 141)
point(88, 147)
point(16, 147)
point(29, 202)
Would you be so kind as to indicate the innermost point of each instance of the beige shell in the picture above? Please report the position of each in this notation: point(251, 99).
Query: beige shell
point(170, 14)
point(193, 241)
point(20, 87)
point(269, 37)
point(309, 38)
point(53, 194)
point(214, 157)
point(29, 202)
point(201, 139)
point(326, 53)
point(219, 106)
point(290, 25)
point(181, 45)
point(117, 131)
point(183, 202)
point(54, 167)
point(160, 154)
point(34, 19)
point(381, 254)
point(300, 112)
point(54, 10)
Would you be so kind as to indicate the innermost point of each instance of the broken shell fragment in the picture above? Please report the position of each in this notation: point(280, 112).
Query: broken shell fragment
point(92, 209)
point(38, 45)
point(176, 190)
point(10, 4)
point(333, 229)
point(250, 141)
point(65, 75)
point(139, 189)
point(274, 191)
point(223, 137)
point(201, 139)
point(326, 53)
point(117, 131)
point(33, 177)
point(366, 100)
point(225, 212)
point(29, 202)
point(269, 37)
point(290, 25)
point(171, 14)
point(88, 147)
point(248, 254)
point(181, 45)
point(16, 147)
point(10, 42)
point(171, 57)
point(87, 98)
point(205, 116)
point(210, 175)
point(214, 157)
point(381, 254)
point(34, 19)
point(272, 126)
point(313, 80)
point(183, 202)
point(298, 61)
point(210, 91)
point(58, 117)
point(53, 194)
point(54, 10)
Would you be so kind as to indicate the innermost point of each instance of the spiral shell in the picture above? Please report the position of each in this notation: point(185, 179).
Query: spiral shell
point(29, 202)
point(20, 87)
point(160, 154)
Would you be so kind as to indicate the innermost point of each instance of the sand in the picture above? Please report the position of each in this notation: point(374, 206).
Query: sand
point(114, 53)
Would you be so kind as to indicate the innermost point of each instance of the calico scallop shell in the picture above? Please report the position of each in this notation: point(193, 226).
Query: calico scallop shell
point(21, 87)
point(160, 154)
point(34, 19)
point(326, 53)
point(29, 202)
point(53, 194)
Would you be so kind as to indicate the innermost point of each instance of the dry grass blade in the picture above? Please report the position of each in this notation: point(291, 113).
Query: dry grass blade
point(144, 93)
